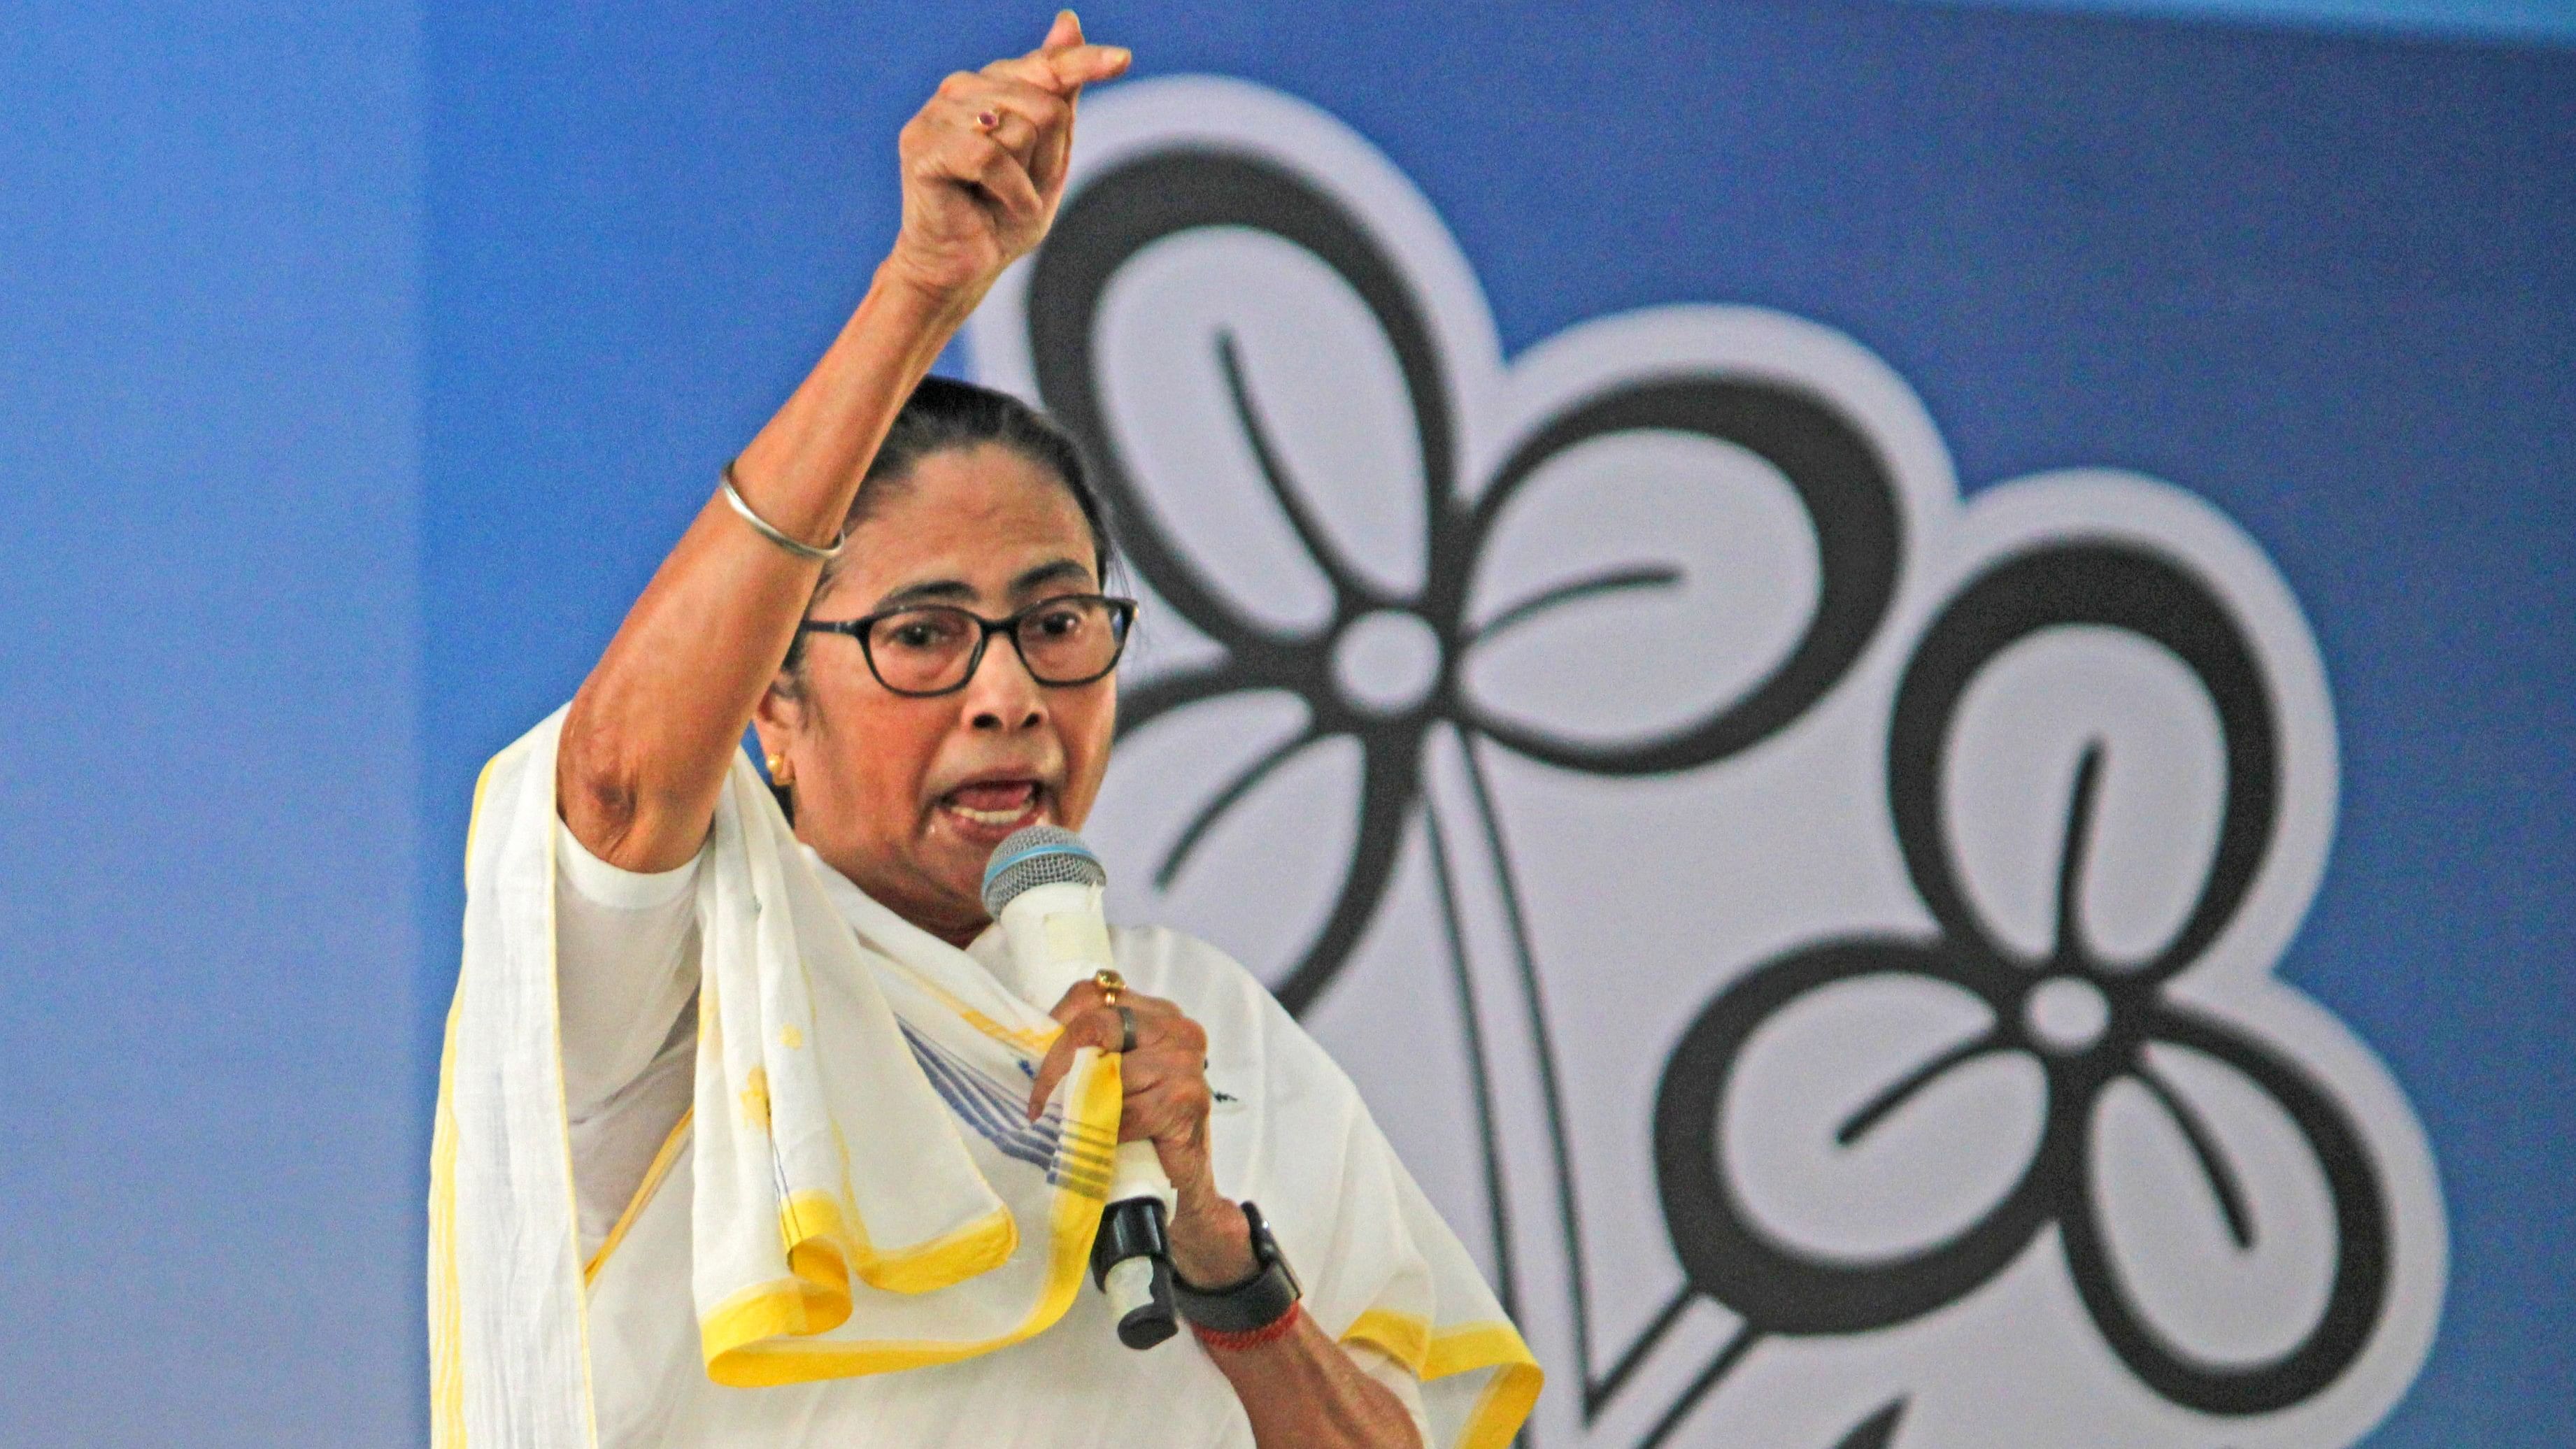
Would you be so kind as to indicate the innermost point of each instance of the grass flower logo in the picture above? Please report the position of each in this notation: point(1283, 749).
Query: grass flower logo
point(2084, 1024)
point(1869, 894)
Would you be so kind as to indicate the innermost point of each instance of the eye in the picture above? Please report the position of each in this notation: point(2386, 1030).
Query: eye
point(922, 631)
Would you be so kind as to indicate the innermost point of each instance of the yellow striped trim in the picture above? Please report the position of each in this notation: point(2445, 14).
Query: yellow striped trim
point(446, 1298)
point(759, 1338)
point(474, 814)
point(555, 830)
point(1508, 1396)
point(1404, 1337)
point(446, 1332)
point(652, 1183)
point(1034, 1042)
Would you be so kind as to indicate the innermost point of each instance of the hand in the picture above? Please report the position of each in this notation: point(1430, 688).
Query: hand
point(1166, 1101)
point(984, 162)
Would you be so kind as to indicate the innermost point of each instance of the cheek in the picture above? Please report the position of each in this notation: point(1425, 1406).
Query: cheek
point(1086, 731)
point(884, 754)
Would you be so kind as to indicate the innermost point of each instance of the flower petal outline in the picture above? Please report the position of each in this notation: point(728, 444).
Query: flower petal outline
point(2117, 584)
point(1121, 206)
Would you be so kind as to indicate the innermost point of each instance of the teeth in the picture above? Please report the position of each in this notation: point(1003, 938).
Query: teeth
point(990, 817)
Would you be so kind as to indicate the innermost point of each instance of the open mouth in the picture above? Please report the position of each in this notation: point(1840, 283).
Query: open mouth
point(994, 808)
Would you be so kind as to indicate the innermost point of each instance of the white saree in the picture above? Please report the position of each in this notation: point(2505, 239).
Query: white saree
point(856, 1236)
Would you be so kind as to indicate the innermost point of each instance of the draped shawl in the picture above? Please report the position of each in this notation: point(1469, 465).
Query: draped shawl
point(864, 1193)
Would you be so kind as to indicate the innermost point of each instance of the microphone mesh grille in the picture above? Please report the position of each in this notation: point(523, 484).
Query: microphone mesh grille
point(1039, 855)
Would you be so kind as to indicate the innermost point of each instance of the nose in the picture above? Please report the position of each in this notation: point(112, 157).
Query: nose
point(1002, 695)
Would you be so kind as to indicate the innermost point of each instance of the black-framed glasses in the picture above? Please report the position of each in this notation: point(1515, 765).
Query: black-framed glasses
point(929, 649)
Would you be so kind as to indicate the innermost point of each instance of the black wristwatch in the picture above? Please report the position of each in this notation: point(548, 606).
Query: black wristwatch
point(1251, 1305)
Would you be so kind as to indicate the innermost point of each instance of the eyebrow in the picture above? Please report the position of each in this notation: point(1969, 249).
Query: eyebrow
point(940, 591)
point(1053, 571)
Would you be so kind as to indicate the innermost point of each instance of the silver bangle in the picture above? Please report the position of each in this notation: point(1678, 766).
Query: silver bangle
point(761, 526)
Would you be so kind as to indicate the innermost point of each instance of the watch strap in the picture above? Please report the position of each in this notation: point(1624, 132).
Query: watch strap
point(1256, 1303)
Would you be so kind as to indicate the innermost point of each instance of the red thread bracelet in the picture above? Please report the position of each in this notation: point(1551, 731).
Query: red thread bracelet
point(1271, 1332)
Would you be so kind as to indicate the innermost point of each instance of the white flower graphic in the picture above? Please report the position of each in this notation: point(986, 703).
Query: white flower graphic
point(1386, 570)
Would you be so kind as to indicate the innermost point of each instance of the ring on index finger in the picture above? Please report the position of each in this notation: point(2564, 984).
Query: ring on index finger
point(1126, 1028)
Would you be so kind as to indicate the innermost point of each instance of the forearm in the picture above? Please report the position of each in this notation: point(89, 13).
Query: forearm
point(1301, 1389)
point(655, 726)
point(803, 467)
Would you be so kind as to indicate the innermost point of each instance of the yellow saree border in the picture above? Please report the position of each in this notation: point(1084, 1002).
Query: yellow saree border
point(758, 1338)
point(1034, 1043)
point(663, 1159)
point(446, 1300)
point(1508, 1396)
point(446, 1310)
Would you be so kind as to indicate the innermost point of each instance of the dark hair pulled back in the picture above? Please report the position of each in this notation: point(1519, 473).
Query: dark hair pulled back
point(944, 414)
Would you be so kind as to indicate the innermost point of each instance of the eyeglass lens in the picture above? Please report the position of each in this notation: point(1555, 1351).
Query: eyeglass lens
point(1063, 641)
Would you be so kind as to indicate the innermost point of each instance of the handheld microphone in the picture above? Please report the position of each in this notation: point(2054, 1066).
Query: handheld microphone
point(1044, 887)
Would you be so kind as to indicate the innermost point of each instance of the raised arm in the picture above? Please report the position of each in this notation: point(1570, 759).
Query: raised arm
point(652, 730)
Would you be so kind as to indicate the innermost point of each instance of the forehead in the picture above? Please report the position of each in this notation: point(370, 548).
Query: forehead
point(980, 517)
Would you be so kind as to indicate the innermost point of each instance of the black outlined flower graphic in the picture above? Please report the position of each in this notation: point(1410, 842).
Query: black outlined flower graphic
point(1429, 629)
point(1507, 580)
point(2088, 1021)
point(1416, 592)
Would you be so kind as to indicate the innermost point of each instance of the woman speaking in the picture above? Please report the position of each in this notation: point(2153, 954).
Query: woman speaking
point(751, 1132)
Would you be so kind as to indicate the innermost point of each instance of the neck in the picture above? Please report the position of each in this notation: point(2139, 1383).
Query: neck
point(960, 937)
point(938, 912)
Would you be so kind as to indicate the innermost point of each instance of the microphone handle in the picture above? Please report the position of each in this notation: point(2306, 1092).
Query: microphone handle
point(1056, 937)
point(1131, 1256)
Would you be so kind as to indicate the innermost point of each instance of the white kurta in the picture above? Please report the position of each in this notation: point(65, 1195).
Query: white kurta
point(635, 1076)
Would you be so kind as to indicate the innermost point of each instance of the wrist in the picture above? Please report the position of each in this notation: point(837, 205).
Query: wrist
point(937, 303)
point(1256, 1304)
point(1211, 1244)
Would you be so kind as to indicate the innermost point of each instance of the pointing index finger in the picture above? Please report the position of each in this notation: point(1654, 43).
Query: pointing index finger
point(1070, 61)
point(1087, 64)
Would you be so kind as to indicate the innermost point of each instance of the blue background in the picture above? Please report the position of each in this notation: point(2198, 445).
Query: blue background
point(354, 374)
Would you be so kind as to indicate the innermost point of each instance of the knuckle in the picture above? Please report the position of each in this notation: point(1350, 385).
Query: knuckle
point(957, 84)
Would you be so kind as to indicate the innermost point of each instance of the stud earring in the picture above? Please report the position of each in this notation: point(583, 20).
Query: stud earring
point(779, 773)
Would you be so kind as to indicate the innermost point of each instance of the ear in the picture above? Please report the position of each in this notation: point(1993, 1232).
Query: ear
point(779, 719)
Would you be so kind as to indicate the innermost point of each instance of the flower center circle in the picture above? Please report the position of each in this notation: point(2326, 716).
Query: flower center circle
point(2066, 1014)
point(1387, 661)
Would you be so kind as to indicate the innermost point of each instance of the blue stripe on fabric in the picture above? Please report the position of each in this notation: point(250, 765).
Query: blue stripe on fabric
point(987, 1107)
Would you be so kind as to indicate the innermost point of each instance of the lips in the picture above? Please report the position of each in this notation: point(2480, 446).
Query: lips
point(995, 807)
